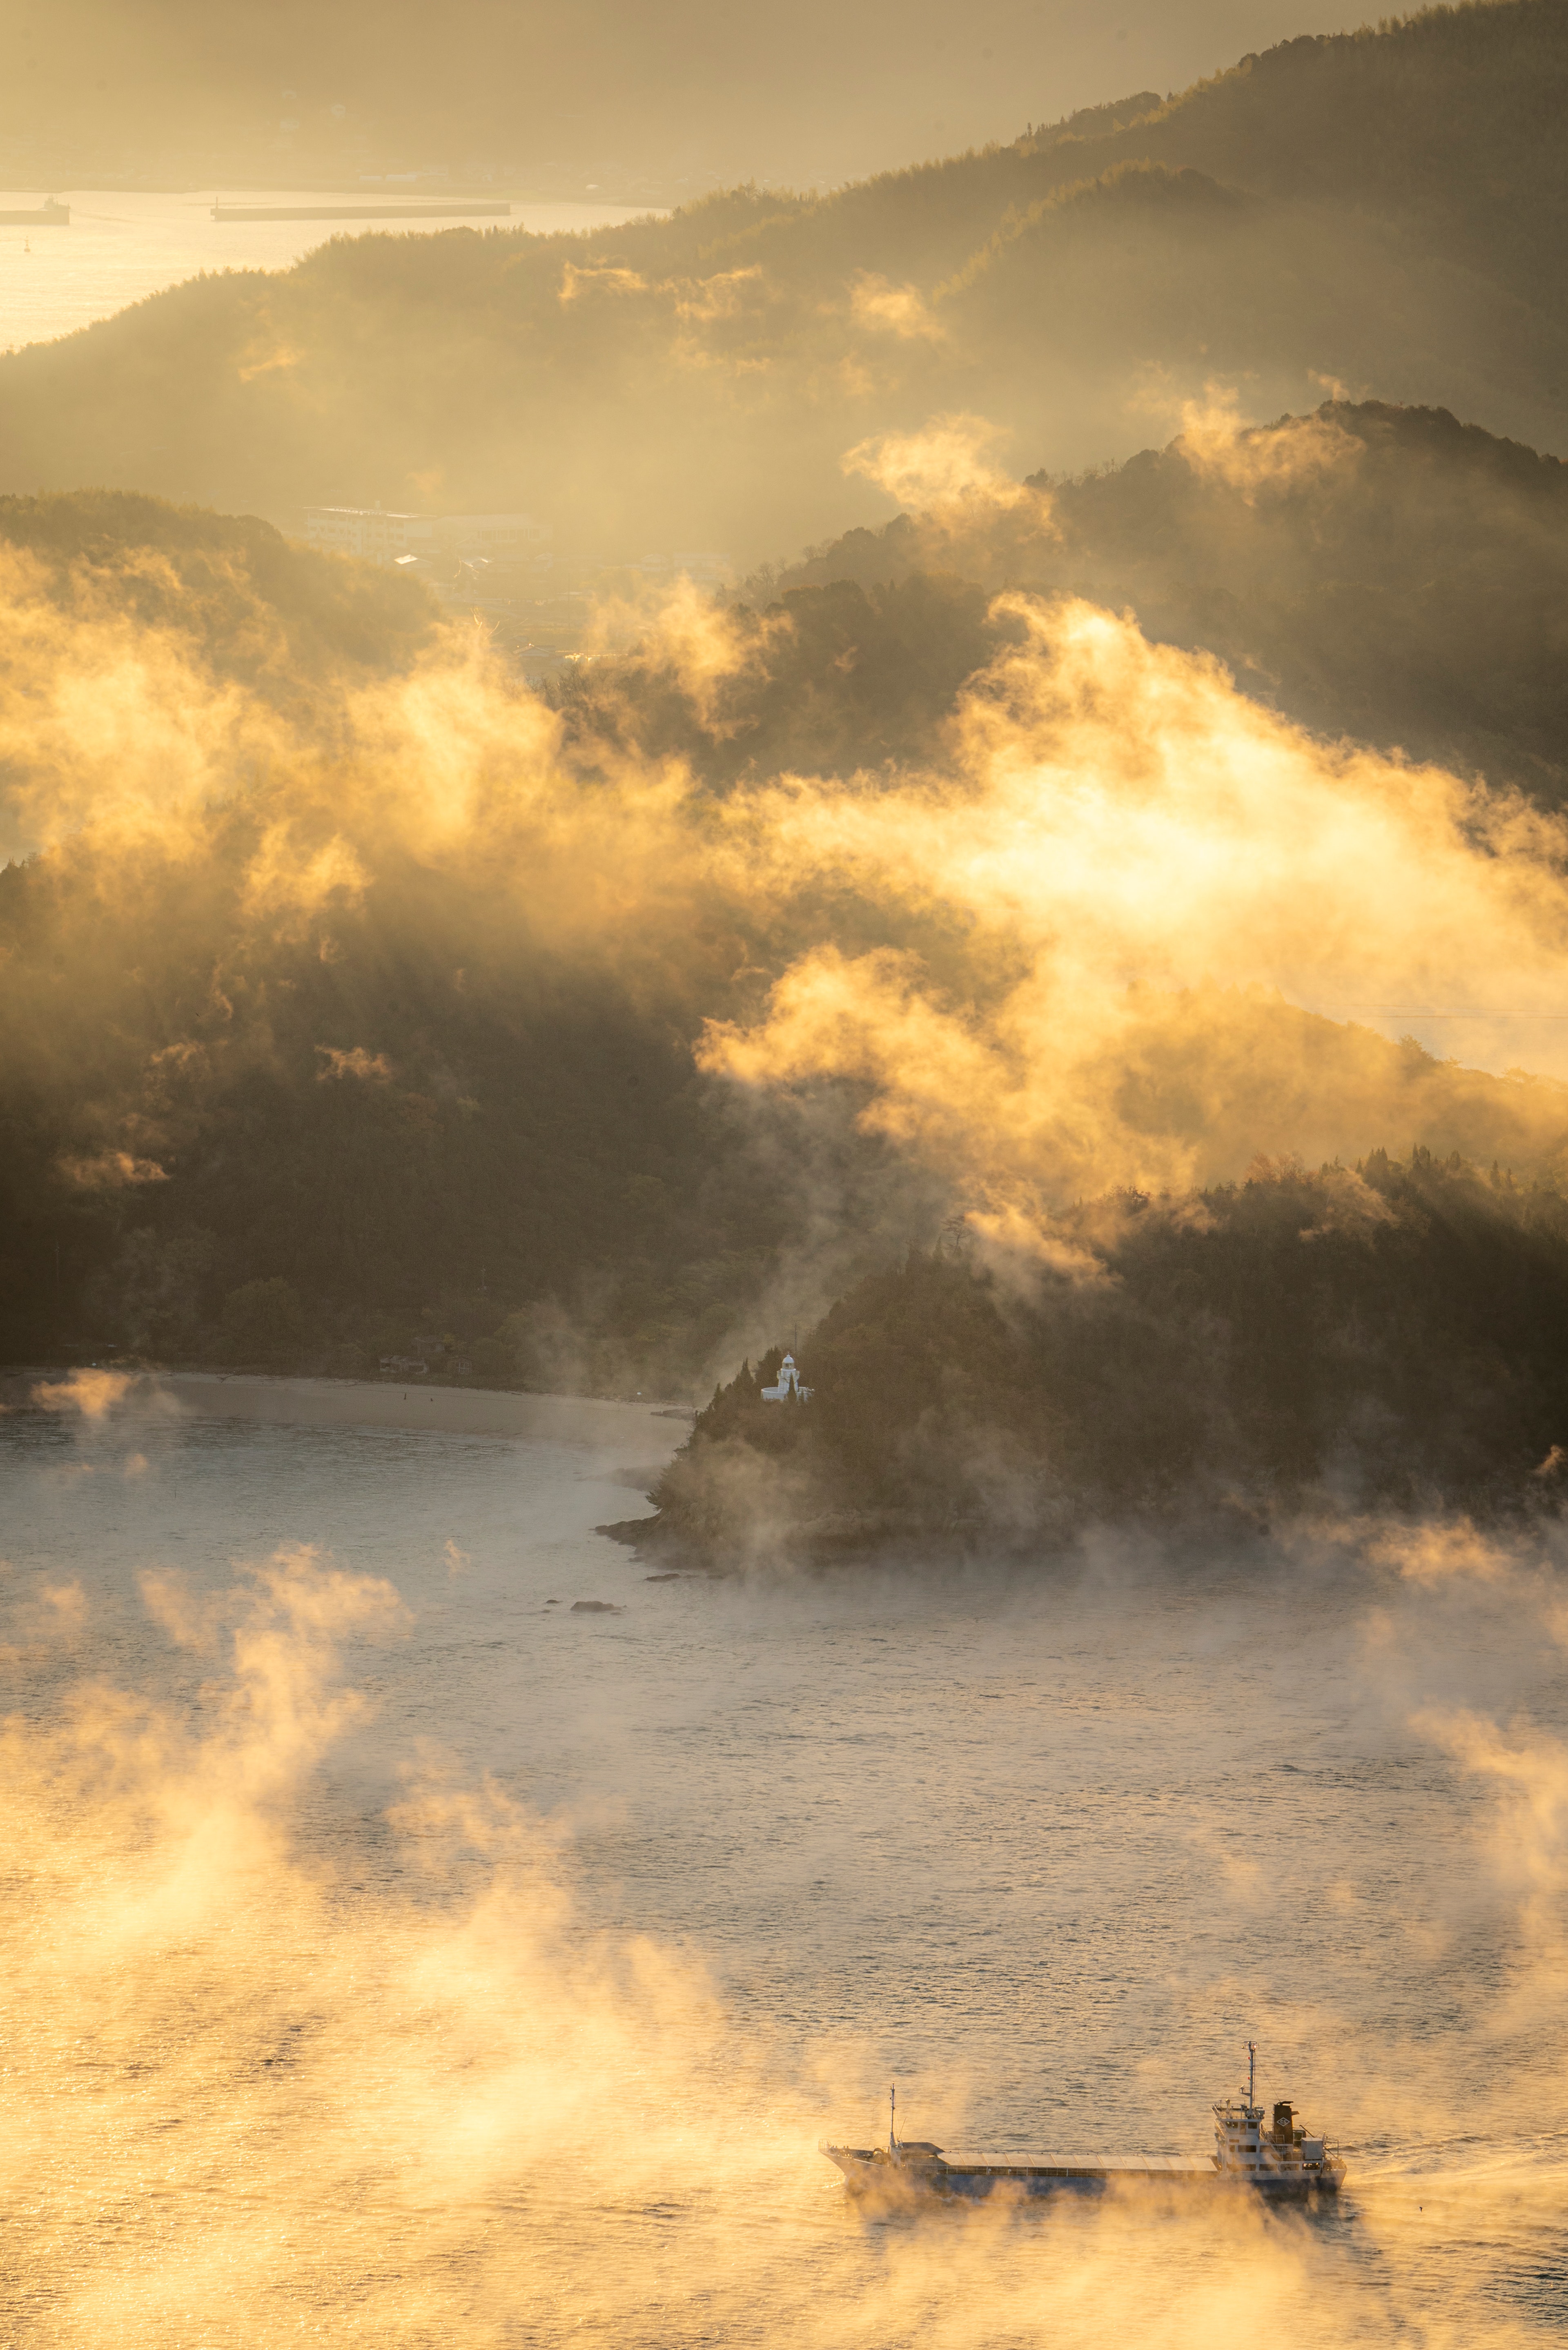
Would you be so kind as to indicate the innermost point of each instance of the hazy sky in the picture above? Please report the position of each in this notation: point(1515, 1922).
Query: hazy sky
point(820, 90)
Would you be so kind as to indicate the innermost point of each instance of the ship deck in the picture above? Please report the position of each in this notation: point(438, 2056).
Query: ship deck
point(1135, 2165)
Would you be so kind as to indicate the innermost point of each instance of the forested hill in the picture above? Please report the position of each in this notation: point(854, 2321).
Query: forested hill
point(1385, 574)
point(1452, 113)
point(246, 602)
point(1390, 1333)
point(358, 1003)
point(1385, 210)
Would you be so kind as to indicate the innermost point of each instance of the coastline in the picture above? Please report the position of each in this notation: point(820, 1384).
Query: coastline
point(383, 1403)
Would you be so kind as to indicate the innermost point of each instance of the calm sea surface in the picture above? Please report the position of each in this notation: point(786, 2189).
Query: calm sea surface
point(121, 247)
point(1049, 1846)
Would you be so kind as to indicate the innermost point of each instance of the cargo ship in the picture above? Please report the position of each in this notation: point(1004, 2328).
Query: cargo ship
point(1273, 2155)
point(48, 214)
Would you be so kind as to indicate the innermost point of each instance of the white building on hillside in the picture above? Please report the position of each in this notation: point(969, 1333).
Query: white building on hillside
point(789, 1388)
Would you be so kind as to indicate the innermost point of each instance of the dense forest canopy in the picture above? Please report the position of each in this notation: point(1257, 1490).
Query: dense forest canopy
point(1388, 574)
point(359, 1000)
point(1390, 1333)
point(1385, 210)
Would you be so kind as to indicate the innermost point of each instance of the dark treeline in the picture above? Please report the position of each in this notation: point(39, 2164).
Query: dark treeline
point(1391, 1335)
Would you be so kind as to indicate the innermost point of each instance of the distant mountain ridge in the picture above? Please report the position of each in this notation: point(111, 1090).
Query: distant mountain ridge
point(1388, 209)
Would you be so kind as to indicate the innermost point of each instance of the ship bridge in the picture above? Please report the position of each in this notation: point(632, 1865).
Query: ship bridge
point(1252, 2144)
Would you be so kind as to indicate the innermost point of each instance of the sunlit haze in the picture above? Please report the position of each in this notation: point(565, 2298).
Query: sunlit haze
point(639, 104)
point(784, 1206)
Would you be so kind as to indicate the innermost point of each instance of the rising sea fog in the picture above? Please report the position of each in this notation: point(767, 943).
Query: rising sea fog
point(401, 1948)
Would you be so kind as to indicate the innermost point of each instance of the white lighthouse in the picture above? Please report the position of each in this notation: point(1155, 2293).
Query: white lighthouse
point(789, 1389)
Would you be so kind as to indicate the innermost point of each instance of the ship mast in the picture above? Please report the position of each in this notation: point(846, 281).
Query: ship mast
point(1252, 2072)
point(892, 2117)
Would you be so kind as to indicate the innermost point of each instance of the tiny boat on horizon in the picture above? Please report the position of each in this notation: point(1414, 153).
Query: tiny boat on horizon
point(1276, 2156)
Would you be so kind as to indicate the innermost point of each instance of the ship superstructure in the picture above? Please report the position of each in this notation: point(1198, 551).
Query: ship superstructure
point(1274, 2157)
point(1276, 2154)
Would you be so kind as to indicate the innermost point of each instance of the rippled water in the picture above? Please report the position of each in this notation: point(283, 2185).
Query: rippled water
point(122, 247)
point(1048, 1845)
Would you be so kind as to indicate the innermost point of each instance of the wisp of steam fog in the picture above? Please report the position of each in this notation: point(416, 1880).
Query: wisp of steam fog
point(1061, 957)
point(409, 2087)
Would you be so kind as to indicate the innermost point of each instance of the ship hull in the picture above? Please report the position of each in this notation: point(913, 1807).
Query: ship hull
point(870, 2173)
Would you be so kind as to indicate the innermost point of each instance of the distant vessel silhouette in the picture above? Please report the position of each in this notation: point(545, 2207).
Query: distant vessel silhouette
point(1279, 2161)
point(48, 214)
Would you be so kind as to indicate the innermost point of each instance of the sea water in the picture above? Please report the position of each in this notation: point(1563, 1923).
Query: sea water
point(122, 245)
point(1047, 1842)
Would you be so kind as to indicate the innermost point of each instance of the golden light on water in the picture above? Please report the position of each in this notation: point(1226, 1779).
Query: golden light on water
point(398, 2081)
point(423, 1920)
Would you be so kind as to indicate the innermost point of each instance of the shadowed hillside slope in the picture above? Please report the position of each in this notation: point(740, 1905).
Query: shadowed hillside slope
point(357, 1000)
point(1388, 574)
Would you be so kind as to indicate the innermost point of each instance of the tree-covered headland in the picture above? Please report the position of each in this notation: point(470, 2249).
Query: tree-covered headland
point(1386, 1335)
